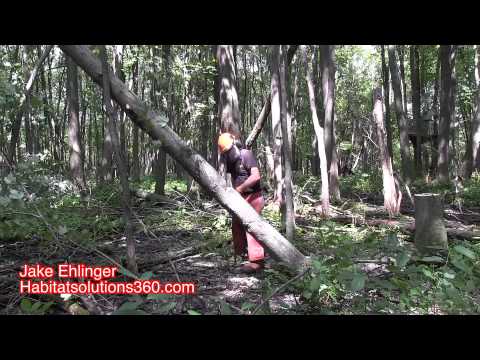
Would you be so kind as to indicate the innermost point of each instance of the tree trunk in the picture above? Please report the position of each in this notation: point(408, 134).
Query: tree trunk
point(415, 80)
point(135, 152)
point(476, 117)
point(15, 131)
point(276, 132)
point(319, 132)
point(401, 117)
point(430, 232)
point(228, 109)
point(401, 53)
point(391, 198)
point(447, 54)
point(279, 76)
point(74, 139)
point(122, 171)
point(434, 145)
point(203, 173)
point(327, 68)
point(257, 128)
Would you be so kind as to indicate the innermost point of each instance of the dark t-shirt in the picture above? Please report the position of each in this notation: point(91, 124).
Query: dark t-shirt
point(241, 170)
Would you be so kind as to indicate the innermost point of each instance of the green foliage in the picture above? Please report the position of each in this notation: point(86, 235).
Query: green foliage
point(35, 308)
point(362, 183)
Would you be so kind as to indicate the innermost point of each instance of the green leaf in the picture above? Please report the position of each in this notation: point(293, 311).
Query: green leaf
point(247, 306)
point(225, 309)
point(122, 270)
point(358, 282)
point(36, 306)
point(160, 297)
point(15, 195)
point(464, 251)
point(129, 308)
point(165, 308)
point(62, 230)
point(26, 305)
point(193, 312)
point(402, 259)
point(10, 179)
point(147, 275)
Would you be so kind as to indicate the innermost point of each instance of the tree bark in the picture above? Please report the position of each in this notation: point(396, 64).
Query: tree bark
point(15, 131)
point(430, 232)
point(74, 138)
point(319, 132)
point(122, 171)
point(415, 80)
point(476, 118)
point(436, 112)
point(257, 128)
point(327, 68)
point(401, 117)
point(135, 152)
point(202, 172)
point(447, 54)
point(228, 109)
point(279, 72)
point(386, 91)
point(391, 198)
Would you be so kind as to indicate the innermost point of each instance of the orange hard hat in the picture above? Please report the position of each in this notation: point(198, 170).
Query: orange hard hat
point(225, 142)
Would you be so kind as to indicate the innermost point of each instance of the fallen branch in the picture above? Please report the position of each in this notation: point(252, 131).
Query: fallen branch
point(278, 290)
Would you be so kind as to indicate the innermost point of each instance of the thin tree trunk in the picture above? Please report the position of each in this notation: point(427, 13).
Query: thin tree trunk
point(319, 132)
point(391, 198)
point(327, 68)
point(415, 80)
point(278, 72)
point(447, 55)
point(401, 53)
point(15, 132)
point(135, 153)
point(122, 172)
point(401, 117)
point(280, 248)
point(257, 128)
point(476, 118)
point(74, 140)
point(436, 113)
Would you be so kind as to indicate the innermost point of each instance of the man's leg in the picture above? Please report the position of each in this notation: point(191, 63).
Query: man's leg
point(256, 251)
point(239, 237)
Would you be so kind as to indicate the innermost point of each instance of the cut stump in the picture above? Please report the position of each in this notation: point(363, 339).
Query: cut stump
point(430, 231)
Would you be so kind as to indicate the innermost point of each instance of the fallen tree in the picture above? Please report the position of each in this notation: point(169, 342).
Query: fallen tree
point(156, 126)
point(407, 226)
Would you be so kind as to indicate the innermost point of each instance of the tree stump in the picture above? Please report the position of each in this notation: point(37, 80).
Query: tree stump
point(430, 231)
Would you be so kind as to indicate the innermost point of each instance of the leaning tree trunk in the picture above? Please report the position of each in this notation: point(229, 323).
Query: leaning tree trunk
point(156, 126)
point(391, 198)
point(122, 171)
point(430, 232)
point(74, 138)
point(15, 132)
point(319, 132)
point(401, 117)
point(447, 55)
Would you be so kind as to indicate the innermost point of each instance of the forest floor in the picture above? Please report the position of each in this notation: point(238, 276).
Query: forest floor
point(358, 268)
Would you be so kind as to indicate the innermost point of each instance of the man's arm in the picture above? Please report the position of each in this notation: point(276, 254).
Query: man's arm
point(252, 180)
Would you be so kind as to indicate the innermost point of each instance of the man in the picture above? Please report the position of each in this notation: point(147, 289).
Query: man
point(242, 165)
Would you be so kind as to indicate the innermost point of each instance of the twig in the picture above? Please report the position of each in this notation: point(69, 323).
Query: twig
point(278, 290)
